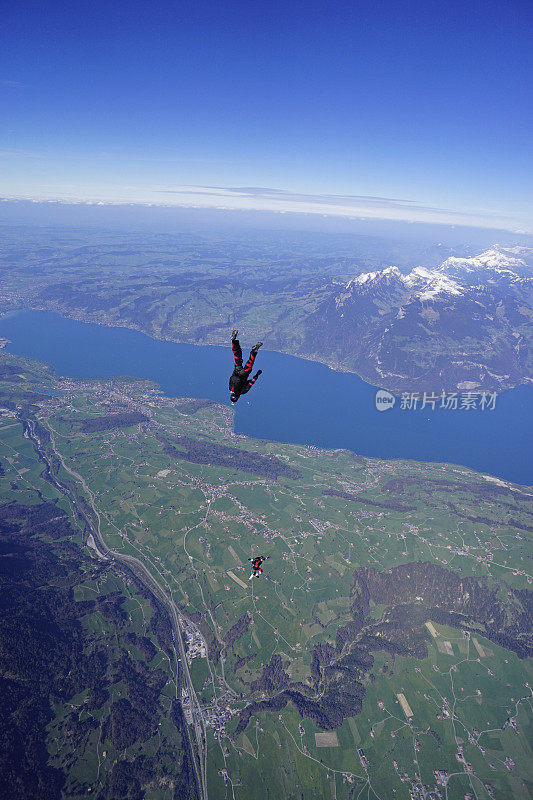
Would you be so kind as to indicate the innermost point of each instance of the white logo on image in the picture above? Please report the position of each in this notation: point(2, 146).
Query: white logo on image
point(384, 400)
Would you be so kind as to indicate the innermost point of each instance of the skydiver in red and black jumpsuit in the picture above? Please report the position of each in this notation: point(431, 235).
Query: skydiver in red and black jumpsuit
point(240, 381)
point(256, 565)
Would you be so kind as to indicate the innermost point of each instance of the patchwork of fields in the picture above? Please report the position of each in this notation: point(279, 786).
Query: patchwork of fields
point(385, 651)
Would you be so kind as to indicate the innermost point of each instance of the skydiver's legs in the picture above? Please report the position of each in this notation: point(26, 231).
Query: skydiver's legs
point(250, 362)
point(237, 352)
point(253, 354)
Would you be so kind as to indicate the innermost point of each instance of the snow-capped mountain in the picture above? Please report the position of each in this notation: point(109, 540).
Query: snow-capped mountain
point(382, 287)
point(390, 284)
point(492, 266)
point(427, 284)
point(465, 324)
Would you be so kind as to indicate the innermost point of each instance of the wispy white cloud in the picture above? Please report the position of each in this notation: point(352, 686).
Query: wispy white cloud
point(357, 207)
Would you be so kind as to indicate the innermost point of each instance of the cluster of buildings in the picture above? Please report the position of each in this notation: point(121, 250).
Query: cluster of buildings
point(441, 777)
point(417, 792)
point(186, 706)
point(215, 717)
point(196, 647)
point(462, 760)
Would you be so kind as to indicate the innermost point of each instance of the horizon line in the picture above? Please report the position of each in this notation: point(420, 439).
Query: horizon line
point(315, 205)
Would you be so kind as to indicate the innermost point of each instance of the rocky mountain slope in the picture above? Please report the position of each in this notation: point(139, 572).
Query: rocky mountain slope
point(465, 325)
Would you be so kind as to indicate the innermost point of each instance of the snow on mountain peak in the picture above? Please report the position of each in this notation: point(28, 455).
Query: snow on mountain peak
point(439, 284)
point(491, 259)
point(369, 277)
point(420, 273)
point(391, 271)
point(365, 277)
point(421, 283)
point(427, 283)
point(455, 276)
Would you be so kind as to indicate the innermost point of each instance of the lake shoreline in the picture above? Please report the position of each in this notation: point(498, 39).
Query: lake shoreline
point(296, 401)
point(330, 363)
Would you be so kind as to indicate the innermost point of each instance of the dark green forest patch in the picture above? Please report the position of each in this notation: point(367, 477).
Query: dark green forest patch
point(111, 421)
point(52, 655)
point(198, 451)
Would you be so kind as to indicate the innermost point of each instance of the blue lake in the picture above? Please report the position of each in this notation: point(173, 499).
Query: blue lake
point(293, 401)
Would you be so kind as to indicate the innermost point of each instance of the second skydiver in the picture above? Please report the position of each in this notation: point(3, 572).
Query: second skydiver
point(256, 565)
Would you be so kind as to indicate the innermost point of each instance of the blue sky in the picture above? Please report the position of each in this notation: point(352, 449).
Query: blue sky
point(416, 110)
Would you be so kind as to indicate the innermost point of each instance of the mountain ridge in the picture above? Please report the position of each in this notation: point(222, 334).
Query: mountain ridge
point(397, 329)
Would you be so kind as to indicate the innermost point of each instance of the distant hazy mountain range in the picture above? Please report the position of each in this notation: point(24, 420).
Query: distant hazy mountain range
point(466, 324)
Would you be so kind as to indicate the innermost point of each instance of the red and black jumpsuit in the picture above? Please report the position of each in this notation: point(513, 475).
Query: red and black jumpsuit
point(256, 563)
point(240, 381)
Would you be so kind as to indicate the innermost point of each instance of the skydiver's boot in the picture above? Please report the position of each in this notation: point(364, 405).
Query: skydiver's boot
point(256, 347)
point(234, 335)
